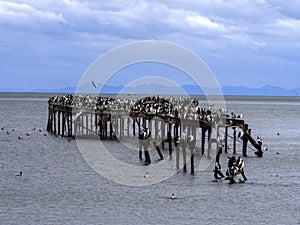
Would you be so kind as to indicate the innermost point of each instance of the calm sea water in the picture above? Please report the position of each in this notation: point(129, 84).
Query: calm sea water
point(59, 187)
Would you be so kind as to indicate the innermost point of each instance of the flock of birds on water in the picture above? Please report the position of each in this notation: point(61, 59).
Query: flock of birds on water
point(10, 131)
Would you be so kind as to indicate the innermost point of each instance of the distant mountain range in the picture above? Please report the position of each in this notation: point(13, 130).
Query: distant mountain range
point(266, 90)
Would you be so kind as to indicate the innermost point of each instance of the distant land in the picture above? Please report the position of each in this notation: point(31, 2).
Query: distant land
point(266, 90)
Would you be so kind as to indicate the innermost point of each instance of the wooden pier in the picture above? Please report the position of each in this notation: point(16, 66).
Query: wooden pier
point(174, 124)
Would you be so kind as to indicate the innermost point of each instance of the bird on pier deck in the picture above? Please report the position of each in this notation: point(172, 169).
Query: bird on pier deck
point(259, 140)
point(239, 134)
point(190, 138)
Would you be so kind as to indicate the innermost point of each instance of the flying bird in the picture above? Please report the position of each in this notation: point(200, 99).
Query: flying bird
point(94, 84)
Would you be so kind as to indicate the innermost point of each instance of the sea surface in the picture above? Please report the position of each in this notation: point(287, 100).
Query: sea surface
point(59, 187)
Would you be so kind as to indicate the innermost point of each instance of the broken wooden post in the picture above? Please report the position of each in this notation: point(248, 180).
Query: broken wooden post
point(158, 150)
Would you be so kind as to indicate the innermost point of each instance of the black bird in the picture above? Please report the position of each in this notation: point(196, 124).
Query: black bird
point(239, 134)
point(20, 174)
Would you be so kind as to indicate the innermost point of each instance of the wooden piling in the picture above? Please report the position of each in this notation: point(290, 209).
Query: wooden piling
point(133, 126)
point(128, 126)
point(245, 144)
point(54, 112)
point(140, 150)
point(96, 123)
point(170, 139)
point(63, 123)
point(155, 129)
point(234, 140)
point(110, 128)
point(226, 140)
point(59, 122)
point(203, 131)
point(209, 143)
point(192, 161)
point(193, 151)
point(177, 146)
point(156, 145)
point(184, 155)
point(147, 155)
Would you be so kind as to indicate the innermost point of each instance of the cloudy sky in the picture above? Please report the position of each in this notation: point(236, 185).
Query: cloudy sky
point(51, 43)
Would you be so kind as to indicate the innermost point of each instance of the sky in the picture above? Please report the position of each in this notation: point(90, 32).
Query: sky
point(49, 44)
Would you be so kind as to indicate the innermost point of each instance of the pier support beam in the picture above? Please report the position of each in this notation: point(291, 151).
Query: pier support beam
point(193, 145)
point(204, 129)
point(177, 146)
point(140, 150)
point(170, 139)
point(245, 143)
point(184, 144)
point(226, 140)
point(146, 152)
point(234, 140)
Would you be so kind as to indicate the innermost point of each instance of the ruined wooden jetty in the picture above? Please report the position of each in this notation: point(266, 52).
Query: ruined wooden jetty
point(153, 120)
